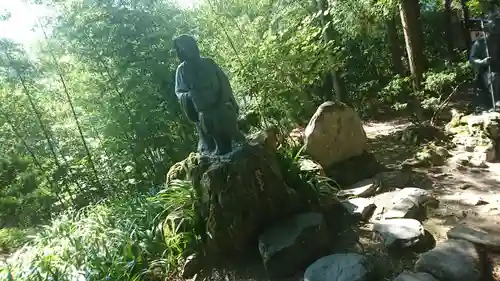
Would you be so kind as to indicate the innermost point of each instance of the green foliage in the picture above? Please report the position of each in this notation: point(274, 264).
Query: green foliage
point(13, 238)
point(313, 188)
point(114, 240)
point(89, 115)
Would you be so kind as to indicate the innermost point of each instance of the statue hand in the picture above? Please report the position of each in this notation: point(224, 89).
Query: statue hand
point(486, 61)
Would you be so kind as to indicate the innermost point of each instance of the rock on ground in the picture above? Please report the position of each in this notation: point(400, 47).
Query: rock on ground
point(411, 276)
point(335, 133)
point(408, 202)
point(452, 260)
point(478, 135)
point(488, 240)
point(364, 188)
point(340, 267)
point(354, 169)
point(399, 233)
point(361, 207)
point(289, 246)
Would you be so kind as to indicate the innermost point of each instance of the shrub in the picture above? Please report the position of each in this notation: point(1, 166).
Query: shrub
point(113, 240)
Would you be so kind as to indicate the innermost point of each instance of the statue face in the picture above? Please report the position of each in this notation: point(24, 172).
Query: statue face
point(494, 27)
point(180, 54)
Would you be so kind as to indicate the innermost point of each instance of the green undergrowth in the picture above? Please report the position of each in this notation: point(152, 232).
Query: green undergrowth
point(122, 239)
point(13, 238)
point(137, 237)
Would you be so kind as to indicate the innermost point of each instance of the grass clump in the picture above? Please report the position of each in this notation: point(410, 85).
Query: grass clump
point(13, 238)
point(134, 238)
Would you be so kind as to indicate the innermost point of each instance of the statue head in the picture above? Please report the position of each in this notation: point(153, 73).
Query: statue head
point(493, 26)
point(186, 48)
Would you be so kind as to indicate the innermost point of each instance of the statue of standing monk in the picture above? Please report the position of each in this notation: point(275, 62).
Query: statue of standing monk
point(485, 58)
point(206, 97)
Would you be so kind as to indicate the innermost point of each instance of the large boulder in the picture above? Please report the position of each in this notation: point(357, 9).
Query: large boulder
point(335, 133)
point(239, 195)
point(490, 241)
point(452, 260)
point(293, 244)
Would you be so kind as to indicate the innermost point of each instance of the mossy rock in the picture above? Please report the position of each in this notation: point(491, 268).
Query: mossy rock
point(184, 169)
point(417, 134)
point(240, 194)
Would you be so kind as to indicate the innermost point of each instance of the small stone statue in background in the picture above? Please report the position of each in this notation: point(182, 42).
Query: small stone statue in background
point(206, 97)
point(485, 58)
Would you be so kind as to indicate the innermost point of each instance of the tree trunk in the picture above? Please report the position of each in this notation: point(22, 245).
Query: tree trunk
point(394, 47)
point(328, 35)
point(449, 29)
point(465, 25)
point(410, 18)
point(77, 121)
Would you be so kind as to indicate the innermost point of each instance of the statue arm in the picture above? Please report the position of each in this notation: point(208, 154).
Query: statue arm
point(225, 85)
point(180, 86)
point(477, 55)
point(182, 93)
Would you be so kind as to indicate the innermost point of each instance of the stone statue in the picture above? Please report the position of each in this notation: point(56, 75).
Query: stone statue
point(206, 97)
point(485, 58)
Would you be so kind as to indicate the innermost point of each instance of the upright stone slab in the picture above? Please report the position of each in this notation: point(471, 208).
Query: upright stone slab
point(292, 244)
point(335, 133)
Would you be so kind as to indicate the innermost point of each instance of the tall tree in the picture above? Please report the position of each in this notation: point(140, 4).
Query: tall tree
point(448, 28)
point(412, 27)
point(394, 46)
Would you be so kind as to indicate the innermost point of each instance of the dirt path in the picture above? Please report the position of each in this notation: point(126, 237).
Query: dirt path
point(469, 196)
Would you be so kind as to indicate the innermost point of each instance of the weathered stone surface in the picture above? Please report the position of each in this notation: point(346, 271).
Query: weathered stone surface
point(478, 135)
point(408, 202)
point(390, 180)
point(340, 267)
point(268, 138)
point(335, 133)
point(234, 216)
point(429, 156)
point(416, 134)
point(399, 232)
point(452, 260)
point(411, 276)
point(364, 188)
point(309, 166)
point(292, 244)
point(361, 207)
point(489, 240)
point(354, 169)
point(184, 169)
